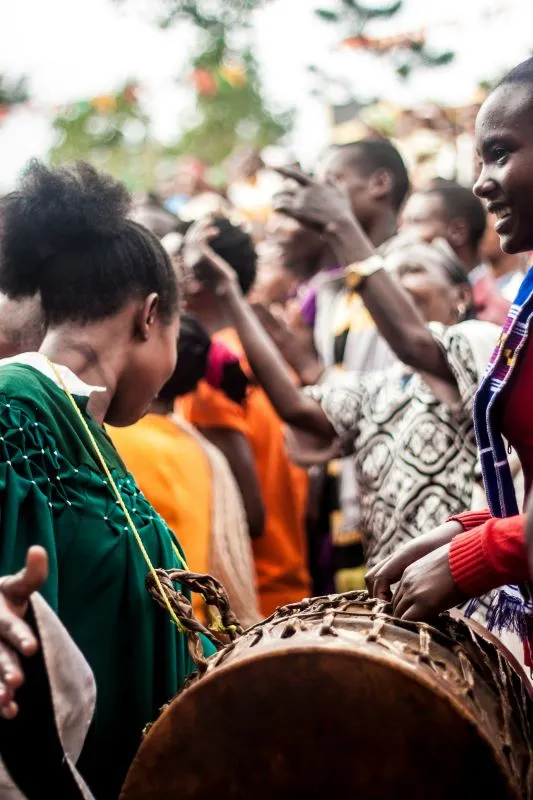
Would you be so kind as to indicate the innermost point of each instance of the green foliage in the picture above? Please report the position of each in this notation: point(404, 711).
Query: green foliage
point(352, 18)
point(13, 91)
point(111, 131)
point(235, 115)
point(358, 14)
point(209, 15)
point(228, 113)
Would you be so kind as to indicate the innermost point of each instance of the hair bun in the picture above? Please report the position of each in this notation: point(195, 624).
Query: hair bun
point(55, 211)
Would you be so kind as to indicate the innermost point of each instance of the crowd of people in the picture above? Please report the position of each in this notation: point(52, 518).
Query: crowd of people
point(297, 407)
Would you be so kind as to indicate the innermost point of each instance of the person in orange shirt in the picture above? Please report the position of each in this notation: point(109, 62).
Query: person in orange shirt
point(251, 436)
point(188, 480)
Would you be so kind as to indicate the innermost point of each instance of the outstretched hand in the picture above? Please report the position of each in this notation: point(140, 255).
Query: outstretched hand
point(389, 571)
point(16, 637)
point(427, 588)
point(421, 570)
point(201, 261)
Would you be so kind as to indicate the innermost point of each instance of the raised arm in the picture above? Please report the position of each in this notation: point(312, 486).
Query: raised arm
point(273, 374)
point(325, 208)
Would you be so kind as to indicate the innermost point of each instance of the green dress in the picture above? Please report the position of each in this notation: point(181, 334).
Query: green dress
point(53, 493)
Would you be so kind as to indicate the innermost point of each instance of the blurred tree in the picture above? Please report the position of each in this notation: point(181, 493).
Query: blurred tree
point(212, 15)
point(230, 105)
point(406, 52)
point(13, 93)
point(110, 131)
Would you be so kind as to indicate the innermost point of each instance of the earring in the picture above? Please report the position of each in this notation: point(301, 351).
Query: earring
point(461, 310)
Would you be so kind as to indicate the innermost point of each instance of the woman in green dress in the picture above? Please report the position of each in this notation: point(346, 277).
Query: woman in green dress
point(111, 305)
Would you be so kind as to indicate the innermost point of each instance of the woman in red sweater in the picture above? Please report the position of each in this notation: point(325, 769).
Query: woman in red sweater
point(475, 552)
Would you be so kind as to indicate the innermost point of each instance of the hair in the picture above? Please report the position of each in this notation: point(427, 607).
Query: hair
point(194, 349)
point(458, 201)
point(66, 234)
point(370, 155)
point(522, 73)
point(236, 247)
point(438, 251)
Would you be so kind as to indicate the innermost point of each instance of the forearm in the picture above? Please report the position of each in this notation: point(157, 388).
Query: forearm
point(392, 309)
point(271, 370)
point(294, 339)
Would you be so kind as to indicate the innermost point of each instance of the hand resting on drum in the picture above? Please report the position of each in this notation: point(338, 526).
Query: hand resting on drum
point(421, 570)
point(15, 635)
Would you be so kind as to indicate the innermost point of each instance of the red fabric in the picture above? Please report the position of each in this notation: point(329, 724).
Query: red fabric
point(218, 357)
point(516, 417)
point(490, 556)
point(489, 303)
point(471, 519)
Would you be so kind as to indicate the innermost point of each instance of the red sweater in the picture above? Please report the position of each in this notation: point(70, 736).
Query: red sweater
point(488, 555)
point(493, 552)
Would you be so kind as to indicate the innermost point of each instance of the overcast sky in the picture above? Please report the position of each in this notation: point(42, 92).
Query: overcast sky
point(71, 49)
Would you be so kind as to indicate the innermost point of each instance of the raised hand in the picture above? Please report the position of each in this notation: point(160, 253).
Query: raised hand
point(201, 261)
point(16, 637)
point(316, 205)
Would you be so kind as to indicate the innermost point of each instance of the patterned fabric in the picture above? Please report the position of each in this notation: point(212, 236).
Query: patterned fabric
point(415, 457)
point(512, 608)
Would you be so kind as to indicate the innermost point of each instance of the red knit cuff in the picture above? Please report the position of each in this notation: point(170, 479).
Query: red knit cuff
point(471, 570)
point(471, 519)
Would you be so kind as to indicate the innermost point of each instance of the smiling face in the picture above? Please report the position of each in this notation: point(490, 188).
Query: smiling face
point(504, 138)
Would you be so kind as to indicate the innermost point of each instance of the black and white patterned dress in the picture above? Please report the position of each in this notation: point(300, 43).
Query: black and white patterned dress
point(415, 457)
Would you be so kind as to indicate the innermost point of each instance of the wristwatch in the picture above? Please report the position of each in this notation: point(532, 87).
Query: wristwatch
point(356, 273)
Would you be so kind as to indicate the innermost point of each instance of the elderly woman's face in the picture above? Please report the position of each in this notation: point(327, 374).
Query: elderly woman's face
point(429, 285)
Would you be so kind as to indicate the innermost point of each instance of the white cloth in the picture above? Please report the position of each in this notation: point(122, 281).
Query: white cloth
point(73, 693)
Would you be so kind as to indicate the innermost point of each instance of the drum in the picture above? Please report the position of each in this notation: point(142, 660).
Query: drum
point(332, 697)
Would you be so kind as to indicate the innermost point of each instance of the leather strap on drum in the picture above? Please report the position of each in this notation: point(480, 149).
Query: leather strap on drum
point(222, 618)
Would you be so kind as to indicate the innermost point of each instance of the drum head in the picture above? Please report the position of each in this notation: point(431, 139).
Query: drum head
point(315, 723)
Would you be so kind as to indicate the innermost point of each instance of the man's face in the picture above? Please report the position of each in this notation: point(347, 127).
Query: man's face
point(424, 218)
point(340, 169)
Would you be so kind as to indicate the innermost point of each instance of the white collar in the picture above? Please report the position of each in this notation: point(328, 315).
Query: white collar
point(39, 362)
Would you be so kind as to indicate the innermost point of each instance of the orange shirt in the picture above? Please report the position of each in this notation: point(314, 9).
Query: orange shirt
point(281, 552)
point(173, 473)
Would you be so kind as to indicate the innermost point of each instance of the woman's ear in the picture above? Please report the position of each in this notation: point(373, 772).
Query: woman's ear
point(147, 316)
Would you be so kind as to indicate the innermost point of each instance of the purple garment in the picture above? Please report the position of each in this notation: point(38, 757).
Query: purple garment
point(309, 294)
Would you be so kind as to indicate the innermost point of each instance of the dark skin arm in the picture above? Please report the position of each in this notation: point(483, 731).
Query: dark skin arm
point(270, 368)
point(296, 344)
point(238, 452)
point(325, 208)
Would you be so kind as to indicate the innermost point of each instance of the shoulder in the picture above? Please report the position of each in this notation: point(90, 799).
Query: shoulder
point(26, 385)
point(207, 407)
point(472, 342)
